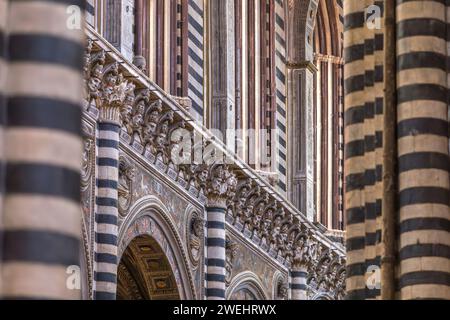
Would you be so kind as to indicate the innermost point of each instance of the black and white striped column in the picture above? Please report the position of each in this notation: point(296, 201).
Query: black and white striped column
point(280, 98)
point(218, 187)
point(43, 148)
point(215, 250)
point(422, 144)
point(105, 274)
point(297, 284)
point(195, 56)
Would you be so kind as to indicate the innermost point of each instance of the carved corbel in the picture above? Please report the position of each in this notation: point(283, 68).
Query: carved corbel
point(258, 212)
point(242, 188)
point(93, 73)
point(126, 109)
point(135, 124)
point(293, 232)
point(265, 229)
point(151, 118)
point(161, 140)
point(172, 143)
point(247, 217)
point(323, 271)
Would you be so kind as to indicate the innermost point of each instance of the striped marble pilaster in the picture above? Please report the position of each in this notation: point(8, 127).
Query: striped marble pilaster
point(298, 284)
point(195, 56)
point(43, 148)
point(106, 230)
point(215, 250)
point(423, 160)
point(179, 48)
point(280, 93)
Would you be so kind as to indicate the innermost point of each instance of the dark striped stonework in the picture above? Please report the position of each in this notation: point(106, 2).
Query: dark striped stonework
point(105, 273)
point(41, 204)
point(298, 284)
point(280, 93)
point(195, 56)
point(422, 161)
point(363, 153)
point(215, 251)
point(422, 125)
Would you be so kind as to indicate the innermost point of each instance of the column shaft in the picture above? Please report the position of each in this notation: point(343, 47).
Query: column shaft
point(298, 285)
point(107, 212)
point(42, 146)
point(423, 158)
point(215, 247)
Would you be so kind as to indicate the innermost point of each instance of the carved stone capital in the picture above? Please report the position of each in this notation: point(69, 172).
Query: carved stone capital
point(219, 184)
point(302, 254)
point(114, 93)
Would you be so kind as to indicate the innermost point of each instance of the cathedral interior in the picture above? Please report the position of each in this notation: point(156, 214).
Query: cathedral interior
point(224, 149)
